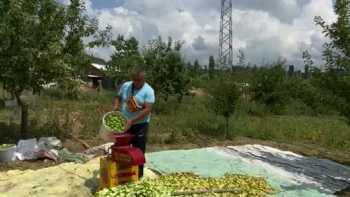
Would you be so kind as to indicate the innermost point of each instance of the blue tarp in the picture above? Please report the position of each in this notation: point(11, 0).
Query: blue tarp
point(218, 161)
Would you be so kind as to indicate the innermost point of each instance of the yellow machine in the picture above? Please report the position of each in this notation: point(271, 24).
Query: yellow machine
point(121, 165)
point(113, 174)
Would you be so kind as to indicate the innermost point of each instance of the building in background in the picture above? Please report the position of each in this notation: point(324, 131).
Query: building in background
point(96, 74)
point(98, 78)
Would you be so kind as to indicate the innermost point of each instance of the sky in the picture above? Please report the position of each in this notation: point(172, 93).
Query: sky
point(264, 29)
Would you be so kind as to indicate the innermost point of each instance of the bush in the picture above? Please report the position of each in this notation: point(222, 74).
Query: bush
point(255, 109)
point(269, 87)
point(208, 124)
point(166, 68)
point(298, 107)
point(166, 107)
point(70, 88)
point(53, 93)
point(223, 97)
point(318, 100)
point(65, 88)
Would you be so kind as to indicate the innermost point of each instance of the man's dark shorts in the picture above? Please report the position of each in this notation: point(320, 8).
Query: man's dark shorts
point(140, 139)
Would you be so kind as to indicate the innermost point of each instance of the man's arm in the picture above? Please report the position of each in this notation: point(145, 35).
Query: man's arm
point(142, 114)
point(116, 103)
point(149, 101)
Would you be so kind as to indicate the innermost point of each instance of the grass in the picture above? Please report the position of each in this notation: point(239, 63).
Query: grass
point(193, 117)
point(61, 117)
point(180, 123)
point(328, 132)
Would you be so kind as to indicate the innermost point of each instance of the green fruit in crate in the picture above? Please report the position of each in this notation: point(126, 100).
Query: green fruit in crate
point(116, 122)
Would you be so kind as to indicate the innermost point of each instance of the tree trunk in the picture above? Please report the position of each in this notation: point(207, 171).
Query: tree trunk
point(24, 115)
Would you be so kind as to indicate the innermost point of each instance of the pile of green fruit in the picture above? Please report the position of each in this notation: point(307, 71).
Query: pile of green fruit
point(5, 146)
point(189, 184)
point(116, 122)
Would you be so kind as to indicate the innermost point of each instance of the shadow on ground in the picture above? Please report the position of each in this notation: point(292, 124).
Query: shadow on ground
point(93, 183)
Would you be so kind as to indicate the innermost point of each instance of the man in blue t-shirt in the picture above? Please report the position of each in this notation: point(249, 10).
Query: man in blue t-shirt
point(135, 99)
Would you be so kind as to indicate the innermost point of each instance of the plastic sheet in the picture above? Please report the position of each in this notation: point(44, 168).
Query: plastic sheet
point(290, 174)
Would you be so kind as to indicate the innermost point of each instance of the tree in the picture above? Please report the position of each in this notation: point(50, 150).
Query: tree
point(211, 66)
point(166, 68)
point(337, 54)
point(196, 68)
point(269, 87)
point(241, 58)
point(189, 67)
point(308, 63)
point(224, 95)
point(126, 54)
point(337, 51)
point(291, 70)
point(41, 42)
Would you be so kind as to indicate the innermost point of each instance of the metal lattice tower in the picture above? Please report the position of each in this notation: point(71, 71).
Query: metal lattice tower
point(225, 40)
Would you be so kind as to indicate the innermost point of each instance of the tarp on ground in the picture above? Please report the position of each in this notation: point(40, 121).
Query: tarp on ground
point(289, 173)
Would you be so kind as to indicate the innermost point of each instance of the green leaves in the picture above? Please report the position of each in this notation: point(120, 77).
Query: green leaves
point(126, 54)
point(224, 94)
point(269, 87)
point(337, 55)
point(41, 42)
point(337, 51)
point(166, 68)
point(211, 66)
point(223, 97)
point(26, 43)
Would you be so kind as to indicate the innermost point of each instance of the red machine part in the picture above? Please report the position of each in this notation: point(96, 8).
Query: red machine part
point(128, 155)
point(122, 139)
point(124, 153)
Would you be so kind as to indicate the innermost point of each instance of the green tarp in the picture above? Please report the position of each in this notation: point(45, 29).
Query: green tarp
point(215, 162)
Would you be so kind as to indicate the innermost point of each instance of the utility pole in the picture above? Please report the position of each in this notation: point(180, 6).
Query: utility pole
point(225, 38)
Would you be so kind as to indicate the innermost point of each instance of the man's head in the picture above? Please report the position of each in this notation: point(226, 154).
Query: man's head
point(138, 76)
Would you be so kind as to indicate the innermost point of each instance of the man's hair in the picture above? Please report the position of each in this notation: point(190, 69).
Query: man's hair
point(137, 70)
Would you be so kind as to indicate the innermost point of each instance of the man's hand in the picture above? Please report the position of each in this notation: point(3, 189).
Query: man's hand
point(116, 108)
point(146, 110)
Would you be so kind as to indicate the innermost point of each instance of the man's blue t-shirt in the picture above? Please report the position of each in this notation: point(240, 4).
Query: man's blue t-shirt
point(143, 95)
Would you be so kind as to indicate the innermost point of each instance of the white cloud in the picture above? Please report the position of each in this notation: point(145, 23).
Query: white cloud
point(265, 30)
point(265, 37)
